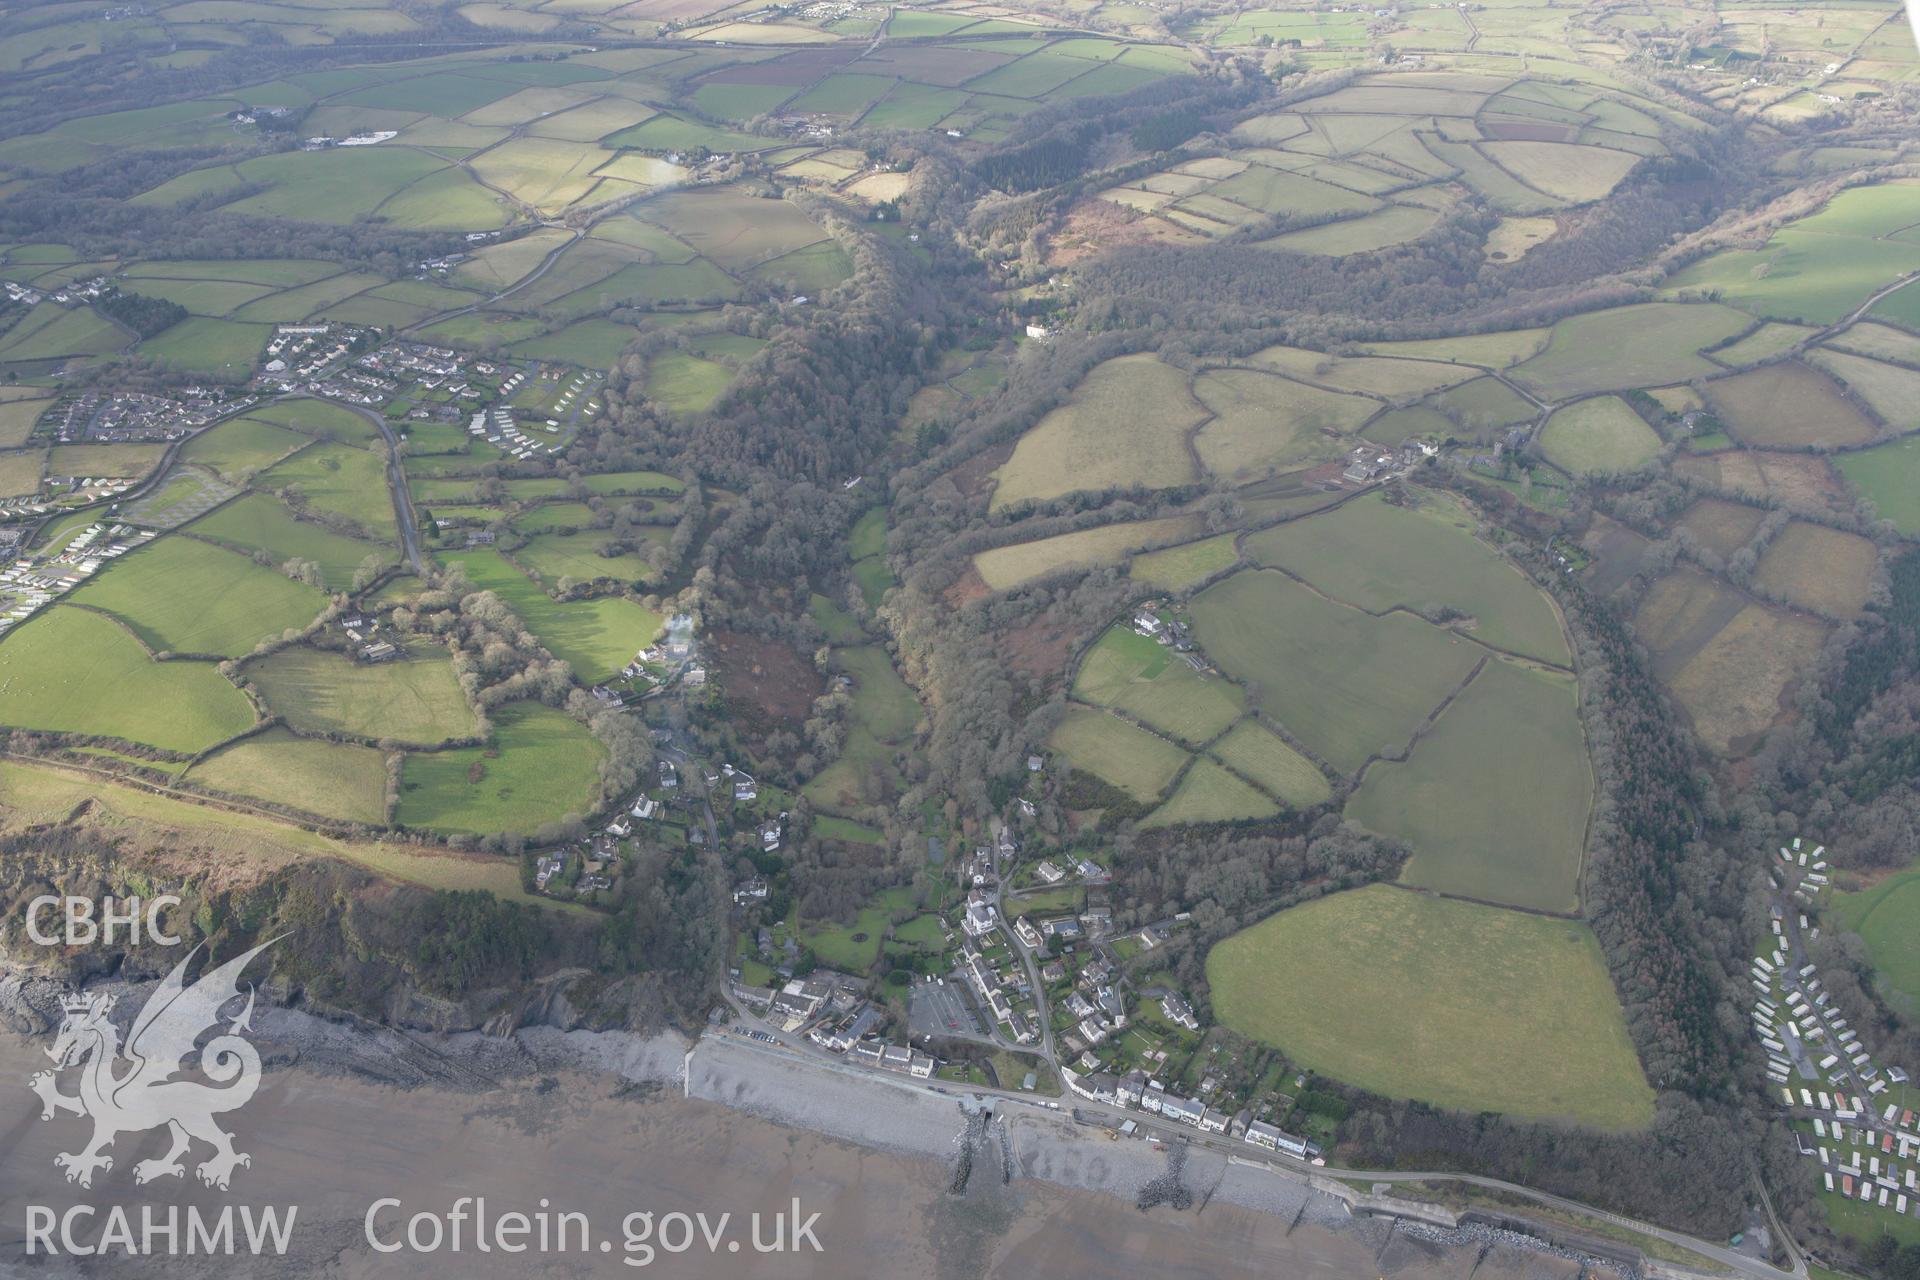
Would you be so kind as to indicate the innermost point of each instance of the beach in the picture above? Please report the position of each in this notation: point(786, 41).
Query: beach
point(465, 1131)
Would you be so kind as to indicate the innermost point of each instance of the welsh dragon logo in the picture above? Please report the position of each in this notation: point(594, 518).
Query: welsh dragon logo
point(132, 1088)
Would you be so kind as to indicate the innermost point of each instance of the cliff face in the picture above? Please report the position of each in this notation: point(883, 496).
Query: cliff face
point(351, 947)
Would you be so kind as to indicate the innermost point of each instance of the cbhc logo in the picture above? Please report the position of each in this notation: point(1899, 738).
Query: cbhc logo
point(73, 923)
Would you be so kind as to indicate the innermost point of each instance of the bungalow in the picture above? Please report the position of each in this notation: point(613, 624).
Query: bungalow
point(644, 808)
point(621, 826)
point(1049, 873)
point(1065, 928)
point(744, 787)
point(750, 890)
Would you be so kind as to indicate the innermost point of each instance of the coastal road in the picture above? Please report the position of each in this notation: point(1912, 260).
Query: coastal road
point(1739, 1264)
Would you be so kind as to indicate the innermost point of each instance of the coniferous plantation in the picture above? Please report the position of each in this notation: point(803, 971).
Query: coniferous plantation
point(1355, 564)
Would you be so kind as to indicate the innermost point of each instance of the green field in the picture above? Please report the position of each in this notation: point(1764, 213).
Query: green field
point(1647, 345)
point(1262, 755)
point(51, 332)
point(132, 460)
point(598, 637)
point(1263, 423)
point(1887, 918)
point(239, 448)
point(1482, 407)
point(1818, 268)
point(1003, 568)
point(72, 671)
point(331, 779)
point(181, 595)
point(1210, 793)
point(1111, 749)
point(258, 521)
point(1888, 475)
point(1598, 436)
point(45, 794)
point(684, 383)
point(1764, 343)
point(555, 556)
point(319, 418)
point(1464, 1006)
point(1149, 681)
point(416, 701)
point(1494, 800)
point(200, 345)
point(1890, 391)
point(1180, 568)
point(1381, 556)
point(540, 767)
point(1125, 426)
point(1347, 684)
point(340, 480)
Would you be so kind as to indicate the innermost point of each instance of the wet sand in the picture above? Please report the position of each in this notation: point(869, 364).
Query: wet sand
point(608, 1143)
